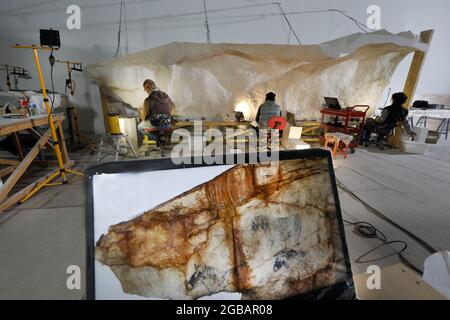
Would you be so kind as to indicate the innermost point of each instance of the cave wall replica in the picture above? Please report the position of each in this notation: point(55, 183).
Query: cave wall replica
point(211, 81)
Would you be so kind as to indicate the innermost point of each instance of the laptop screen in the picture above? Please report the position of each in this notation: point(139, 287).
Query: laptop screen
point(332, 103)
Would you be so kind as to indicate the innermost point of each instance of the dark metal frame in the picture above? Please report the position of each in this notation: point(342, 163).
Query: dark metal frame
point(343, 290)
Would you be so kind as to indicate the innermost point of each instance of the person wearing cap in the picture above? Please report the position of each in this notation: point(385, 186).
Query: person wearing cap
point(267, 110)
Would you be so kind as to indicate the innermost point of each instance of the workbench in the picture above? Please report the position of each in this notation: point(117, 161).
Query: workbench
point(36, 98)
point(16, 168)
point(212, 124)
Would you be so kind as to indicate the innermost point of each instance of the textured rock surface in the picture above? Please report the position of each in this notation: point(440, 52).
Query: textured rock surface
point(212, 80)
point(267, 231)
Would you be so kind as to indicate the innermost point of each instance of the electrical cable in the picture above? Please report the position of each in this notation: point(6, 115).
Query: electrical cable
point(359, 24)
point(120, 31)
point(71, 85)
point(51, 59)
point(208, 36)
point(287, 21)
point(387, 97)
point(424, 244)
point(368, 230)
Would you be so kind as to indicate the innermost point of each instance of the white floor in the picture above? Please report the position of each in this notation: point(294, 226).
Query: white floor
point(411, 190)
point(40, 239)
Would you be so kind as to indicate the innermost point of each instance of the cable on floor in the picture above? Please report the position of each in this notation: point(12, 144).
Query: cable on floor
point(369, 231)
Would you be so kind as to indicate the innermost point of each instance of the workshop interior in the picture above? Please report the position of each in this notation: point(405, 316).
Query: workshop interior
point(224, 150)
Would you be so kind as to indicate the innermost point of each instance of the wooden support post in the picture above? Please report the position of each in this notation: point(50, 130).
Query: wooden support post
point(20, 170)
point(15, 198)
point(9, 162)
point(416, 68)
point(18, 145)
point(75, 122)
point(412, 80)
point(20, 194)
point(7, 171)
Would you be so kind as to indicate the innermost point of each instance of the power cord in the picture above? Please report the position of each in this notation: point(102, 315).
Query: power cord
point(119, 33)
point(51, 59)
point(368, 230)
point(71, 85)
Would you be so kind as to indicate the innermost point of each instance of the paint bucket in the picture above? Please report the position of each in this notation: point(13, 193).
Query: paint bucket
point(114, 127)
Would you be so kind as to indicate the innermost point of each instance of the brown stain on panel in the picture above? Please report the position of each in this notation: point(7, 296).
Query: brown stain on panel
point(161, 238)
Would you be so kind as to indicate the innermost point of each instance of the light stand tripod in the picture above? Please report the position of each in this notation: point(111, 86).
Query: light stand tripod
point(62, 171)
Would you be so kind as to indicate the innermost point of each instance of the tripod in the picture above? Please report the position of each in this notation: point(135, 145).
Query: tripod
point(62, 171)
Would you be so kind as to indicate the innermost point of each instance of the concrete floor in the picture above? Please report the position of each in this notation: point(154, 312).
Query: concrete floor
point(41, 238)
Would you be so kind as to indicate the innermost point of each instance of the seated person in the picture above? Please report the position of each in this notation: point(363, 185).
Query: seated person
point(391, 116)
point(156, 112)
point(267, 110)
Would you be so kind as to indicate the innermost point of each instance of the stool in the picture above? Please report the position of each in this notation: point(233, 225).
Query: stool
point(116, 141)
point(335, 139)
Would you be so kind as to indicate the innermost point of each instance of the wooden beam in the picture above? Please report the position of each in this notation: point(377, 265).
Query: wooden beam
point(12, 200)
point(20, 170)
point(9, 162)
point(35, 134)
point(412, 80)
point(416, 68)
point(18, 145)
point(7, 171)
point(16, 125)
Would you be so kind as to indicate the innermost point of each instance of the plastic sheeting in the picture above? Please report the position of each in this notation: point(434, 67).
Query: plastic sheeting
point(213, 80)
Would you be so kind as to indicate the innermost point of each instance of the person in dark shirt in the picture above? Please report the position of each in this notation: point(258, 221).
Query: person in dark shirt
point(391, 116)
point(157, 109)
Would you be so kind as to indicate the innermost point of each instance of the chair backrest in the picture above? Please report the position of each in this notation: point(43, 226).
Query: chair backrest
point(278, 123)
point(291, 118)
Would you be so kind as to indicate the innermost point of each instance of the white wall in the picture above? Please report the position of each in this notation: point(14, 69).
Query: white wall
point(144, 26)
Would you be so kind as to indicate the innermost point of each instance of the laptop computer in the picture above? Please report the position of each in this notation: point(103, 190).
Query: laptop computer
point(333, 103)
point(120, 109)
